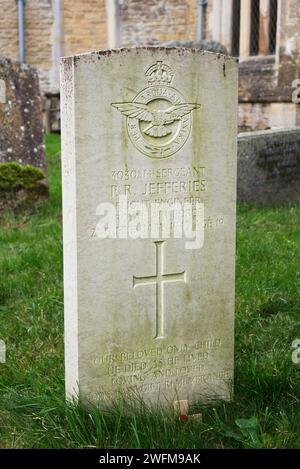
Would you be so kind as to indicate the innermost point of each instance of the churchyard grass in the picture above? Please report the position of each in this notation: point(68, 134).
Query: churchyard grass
point(266, 407)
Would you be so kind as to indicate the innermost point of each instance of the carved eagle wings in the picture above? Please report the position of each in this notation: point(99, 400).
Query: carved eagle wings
point(158, 118)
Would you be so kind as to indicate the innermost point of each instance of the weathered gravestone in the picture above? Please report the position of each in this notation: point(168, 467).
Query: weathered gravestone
point(22, 154)
point(153, 315)
point(269, 166)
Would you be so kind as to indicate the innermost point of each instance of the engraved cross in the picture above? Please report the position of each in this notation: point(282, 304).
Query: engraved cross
point(159, 279)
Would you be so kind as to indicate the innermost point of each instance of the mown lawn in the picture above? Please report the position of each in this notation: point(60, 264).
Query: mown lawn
point(266, 407)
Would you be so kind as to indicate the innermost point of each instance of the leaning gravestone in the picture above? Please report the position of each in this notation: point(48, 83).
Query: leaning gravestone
point(22, 154)
point(147, 313)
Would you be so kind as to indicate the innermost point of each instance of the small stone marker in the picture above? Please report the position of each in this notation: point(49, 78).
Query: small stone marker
point(146, 312)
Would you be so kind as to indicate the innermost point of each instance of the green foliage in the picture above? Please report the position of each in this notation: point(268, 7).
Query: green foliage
point(248, 433)
point(14, 176)
point(266, 407)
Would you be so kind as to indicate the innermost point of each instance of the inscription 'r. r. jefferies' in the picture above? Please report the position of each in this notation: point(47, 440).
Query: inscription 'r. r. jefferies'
point(159, 279)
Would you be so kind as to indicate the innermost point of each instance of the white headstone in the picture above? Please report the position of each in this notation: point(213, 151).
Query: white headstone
point(146, 312)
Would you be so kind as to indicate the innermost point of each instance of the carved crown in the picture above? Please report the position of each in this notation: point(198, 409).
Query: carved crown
point(159, 74)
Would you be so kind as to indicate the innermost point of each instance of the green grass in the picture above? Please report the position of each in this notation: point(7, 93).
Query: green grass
point(266, 407)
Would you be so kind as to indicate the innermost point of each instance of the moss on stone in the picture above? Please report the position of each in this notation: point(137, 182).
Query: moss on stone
point(14, 177)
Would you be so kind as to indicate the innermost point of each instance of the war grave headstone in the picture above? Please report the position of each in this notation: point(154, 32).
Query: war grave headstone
point(146, 311)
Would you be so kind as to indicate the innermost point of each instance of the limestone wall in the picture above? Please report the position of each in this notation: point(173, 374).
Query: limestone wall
point(158, 20)
point(52, 29)
point(9, 29)
point(85, 27)
point(38, 36)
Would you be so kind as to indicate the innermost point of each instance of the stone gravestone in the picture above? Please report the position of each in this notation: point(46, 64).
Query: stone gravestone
point(21, 137)
point(268, 170)
point(147, 313)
